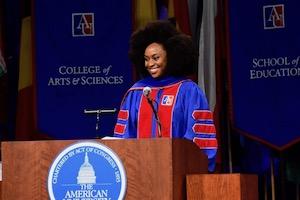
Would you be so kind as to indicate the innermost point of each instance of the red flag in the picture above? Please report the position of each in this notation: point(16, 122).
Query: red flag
point(181, 14)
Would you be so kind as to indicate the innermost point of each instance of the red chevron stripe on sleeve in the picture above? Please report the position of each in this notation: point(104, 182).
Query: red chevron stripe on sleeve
point(120, 129)
point(202, 115)
point(123, 115)
point(204, 128)
point(206, 143)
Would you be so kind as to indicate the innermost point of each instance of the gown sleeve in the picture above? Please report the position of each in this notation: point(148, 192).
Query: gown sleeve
point(126, 125)
point(200, 125)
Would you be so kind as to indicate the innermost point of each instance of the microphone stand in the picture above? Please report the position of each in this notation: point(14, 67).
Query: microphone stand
point(98, 112)
point(150, 101)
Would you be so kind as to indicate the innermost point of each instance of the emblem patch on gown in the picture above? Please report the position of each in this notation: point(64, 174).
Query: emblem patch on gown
point(167, 100)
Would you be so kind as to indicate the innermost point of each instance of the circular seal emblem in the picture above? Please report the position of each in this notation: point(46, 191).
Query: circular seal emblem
point(87, 171)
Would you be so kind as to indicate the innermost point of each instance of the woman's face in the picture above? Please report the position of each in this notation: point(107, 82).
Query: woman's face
point(155, 60)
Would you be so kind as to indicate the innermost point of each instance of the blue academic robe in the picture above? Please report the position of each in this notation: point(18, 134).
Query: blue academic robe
point(182, 110)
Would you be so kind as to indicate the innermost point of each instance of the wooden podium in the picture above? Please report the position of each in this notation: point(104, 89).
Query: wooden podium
point(155, 168)
point(222, 186)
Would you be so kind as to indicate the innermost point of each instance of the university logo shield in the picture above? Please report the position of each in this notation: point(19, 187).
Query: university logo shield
point(273, 16)
point(83, 24)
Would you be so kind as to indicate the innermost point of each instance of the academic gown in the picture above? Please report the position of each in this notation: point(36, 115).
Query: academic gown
point(182, 111)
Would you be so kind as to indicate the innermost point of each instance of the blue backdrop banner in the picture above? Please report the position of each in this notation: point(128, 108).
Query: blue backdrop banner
point(265, 70)
point(81, 63)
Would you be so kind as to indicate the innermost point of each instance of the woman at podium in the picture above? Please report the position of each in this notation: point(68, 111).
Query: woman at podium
point(164, 102)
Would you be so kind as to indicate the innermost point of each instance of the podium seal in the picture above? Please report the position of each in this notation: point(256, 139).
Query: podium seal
point(87, 171)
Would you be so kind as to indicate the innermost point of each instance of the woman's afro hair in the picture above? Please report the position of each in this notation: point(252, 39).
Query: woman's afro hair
point(181, 53)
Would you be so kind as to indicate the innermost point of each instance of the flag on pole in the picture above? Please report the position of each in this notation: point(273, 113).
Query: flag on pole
point(144, 12)
point(181, 14)
point(2, 65)
point(170, 8)
point(25, 114)
point(205, 27)
point(206, 64)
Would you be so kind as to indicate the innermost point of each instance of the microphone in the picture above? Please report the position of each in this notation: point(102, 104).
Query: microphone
point(146, 92)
